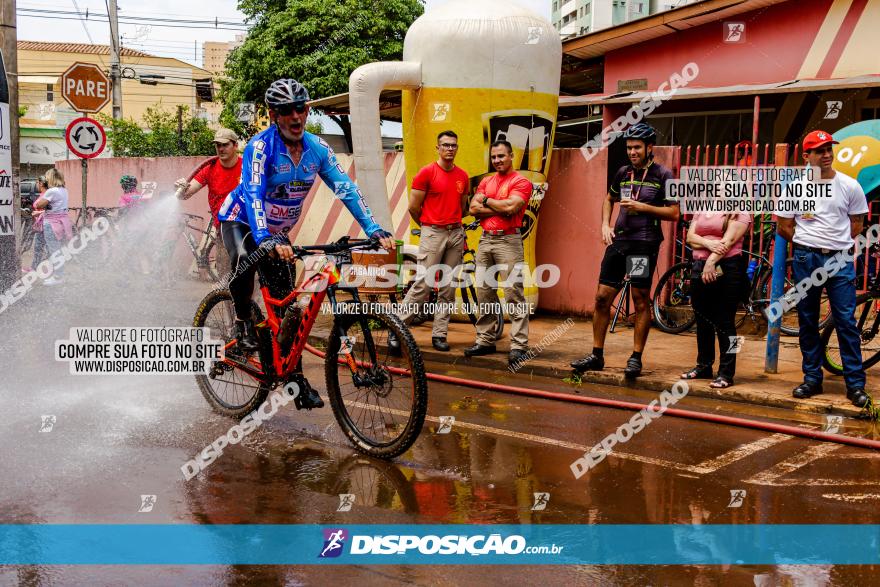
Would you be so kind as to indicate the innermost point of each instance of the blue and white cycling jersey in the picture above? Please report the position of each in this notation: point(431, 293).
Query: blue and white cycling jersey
point(272, 189)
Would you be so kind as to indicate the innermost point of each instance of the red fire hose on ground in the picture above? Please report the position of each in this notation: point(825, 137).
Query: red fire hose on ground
point(624, 405)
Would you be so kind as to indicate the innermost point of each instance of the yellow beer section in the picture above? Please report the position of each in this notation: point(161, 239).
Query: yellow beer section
point(489, 71)
point(480, 116)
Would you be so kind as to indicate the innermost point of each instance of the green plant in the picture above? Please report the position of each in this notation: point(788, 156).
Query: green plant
point(574, 379)
point(159, 136)
point(871, 410)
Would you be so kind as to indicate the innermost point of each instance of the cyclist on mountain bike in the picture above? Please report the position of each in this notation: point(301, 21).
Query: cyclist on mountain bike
point(279, 167)
point(633, 244)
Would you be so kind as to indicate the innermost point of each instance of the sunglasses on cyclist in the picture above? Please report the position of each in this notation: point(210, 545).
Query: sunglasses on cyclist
point(288, 109)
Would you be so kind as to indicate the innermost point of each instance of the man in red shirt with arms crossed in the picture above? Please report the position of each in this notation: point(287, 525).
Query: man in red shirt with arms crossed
point(436, 201)
point(221, 177)
point(500, 203)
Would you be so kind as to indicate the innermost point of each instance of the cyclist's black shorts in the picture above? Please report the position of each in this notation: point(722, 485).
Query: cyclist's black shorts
point(639, 258)
point(279, 276)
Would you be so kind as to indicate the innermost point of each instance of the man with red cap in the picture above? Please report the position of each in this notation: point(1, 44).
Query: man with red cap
point(816, 238)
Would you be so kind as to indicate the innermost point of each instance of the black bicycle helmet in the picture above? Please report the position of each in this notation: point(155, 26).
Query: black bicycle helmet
point(642, 132)
point(128, 182)
point(286, 91)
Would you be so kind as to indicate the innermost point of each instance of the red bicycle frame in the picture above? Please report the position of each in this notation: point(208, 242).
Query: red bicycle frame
point(283, 365)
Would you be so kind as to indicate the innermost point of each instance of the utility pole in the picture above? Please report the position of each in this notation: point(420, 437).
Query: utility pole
point(9, 149)
point(115, 67)
point(180, 130)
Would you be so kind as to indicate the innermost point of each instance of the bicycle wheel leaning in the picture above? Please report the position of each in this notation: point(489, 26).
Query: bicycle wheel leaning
point(380, 409)
point(789, 325)
point(867, 323)
point(234, 387)
point(673, 312)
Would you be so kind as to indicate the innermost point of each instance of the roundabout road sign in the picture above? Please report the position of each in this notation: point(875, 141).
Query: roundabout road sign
point(85, 137)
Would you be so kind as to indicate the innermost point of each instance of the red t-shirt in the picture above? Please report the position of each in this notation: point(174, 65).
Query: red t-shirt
point(501, 187)
point(443, 193)
point(220, 181)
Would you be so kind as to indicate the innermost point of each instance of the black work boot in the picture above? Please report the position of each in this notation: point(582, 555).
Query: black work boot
point(246, 336)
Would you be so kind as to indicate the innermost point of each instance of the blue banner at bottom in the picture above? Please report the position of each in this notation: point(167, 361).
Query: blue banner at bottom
point(672, 544)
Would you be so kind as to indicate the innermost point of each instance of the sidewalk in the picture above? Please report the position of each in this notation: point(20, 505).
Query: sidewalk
point(665, 358)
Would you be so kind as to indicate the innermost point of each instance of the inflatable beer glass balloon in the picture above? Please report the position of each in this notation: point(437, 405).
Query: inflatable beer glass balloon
point(488, 70)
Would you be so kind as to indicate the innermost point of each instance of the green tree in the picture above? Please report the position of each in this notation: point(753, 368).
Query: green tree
point(160, 137)
point(317, 42)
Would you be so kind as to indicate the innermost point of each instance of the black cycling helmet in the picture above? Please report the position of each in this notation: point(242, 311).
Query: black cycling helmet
point(128, 182)
point(284, 92)
point(641, 132)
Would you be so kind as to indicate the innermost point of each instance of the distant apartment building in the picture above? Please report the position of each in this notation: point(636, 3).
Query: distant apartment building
point(573, 18)
point(214, 53)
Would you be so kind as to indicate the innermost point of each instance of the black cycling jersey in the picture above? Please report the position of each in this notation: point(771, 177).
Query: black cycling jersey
point(647, 185)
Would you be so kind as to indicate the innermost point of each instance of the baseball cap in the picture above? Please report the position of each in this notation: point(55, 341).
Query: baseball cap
point(224, 135)
point(816, 139)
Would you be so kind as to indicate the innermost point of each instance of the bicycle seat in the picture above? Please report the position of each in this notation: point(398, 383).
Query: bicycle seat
point(416, 232)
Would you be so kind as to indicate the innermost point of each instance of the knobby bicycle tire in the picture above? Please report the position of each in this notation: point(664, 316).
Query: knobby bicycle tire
point(830, 359)
point(661, 319)
point(370, 352)
point(217, 403)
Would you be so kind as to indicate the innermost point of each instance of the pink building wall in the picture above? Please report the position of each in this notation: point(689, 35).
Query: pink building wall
point(569, 233)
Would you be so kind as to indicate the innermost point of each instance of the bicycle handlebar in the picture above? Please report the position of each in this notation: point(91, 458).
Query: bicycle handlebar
point(342, 245)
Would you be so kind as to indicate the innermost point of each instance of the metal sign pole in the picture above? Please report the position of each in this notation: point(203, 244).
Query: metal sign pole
point(85, 183)
point(9, 265)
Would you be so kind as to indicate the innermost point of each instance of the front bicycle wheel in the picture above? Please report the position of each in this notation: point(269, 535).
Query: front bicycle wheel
point(673, 312)
point(380, 408)
point(237, 385)
point(867, 324)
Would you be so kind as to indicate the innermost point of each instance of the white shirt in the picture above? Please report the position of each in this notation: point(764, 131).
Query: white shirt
point(57, 198)
point(829, 227)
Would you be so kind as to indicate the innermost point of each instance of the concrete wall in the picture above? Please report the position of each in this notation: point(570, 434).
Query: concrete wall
point(103, 184)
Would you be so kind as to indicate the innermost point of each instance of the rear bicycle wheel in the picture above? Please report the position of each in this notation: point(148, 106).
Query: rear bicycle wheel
point(379, 409)
point(673, 312)
point(789, 325)
point(237, 385)
point(866, 317)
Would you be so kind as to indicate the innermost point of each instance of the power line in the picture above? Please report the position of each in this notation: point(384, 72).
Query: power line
point(41, 4)
point(156, 21)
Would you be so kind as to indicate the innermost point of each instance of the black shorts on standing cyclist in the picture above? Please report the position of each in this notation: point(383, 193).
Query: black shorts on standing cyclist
point(633, 244)
point(279, 167)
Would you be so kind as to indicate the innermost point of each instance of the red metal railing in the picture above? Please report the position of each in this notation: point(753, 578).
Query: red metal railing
point(760, 239)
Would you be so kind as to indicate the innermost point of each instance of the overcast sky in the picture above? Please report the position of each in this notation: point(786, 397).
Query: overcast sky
point(181, 43)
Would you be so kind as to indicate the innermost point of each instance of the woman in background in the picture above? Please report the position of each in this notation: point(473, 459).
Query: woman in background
point(717, 281)
point(57, 229)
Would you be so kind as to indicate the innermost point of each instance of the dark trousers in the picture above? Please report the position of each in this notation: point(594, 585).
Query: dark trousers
point(279, 276)
point(715, 305)
point(842, 297)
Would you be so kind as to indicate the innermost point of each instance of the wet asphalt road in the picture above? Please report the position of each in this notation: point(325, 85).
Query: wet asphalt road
point(117, 438)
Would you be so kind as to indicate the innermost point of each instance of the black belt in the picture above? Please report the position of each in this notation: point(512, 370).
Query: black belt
point(817, 249)
point(501, 232)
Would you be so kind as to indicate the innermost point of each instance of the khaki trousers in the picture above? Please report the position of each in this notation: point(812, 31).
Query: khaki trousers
point(437, 247)
point(505, 252)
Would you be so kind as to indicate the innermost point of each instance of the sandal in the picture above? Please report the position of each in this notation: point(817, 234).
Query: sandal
point(721, 383)
point(698, 372)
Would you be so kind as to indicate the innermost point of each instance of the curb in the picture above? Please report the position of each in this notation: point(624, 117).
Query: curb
point(614, 377)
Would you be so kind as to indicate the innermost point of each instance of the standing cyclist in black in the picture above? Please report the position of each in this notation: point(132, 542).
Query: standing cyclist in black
point(633, 244)
point(279, 167)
